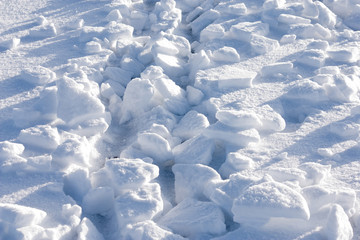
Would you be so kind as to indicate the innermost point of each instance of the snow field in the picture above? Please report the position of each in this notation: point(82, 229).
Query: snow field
point(169, 79)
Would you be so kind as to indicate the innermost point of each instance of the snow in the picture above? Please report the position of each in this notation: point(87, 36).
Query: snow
point(179, 119)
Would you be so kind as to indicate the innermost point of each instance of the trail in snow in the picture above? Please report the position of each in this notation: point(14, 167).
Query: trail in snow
point(179, 119)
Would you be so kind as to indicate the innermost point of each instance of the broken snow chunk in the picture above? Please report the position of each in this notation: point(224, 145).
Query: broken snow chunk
point(113, 15)
point(276, 68)
point(312, 58)
point(325, 152)
point(164, 46)
point(232, 7)
point(242, 119)
point(198, 149)
point(119, 75)
point(338, 225)
point(308, 31)
point(115, 31)
point(349, 55)
point(138, 19)
point(307, 90)
point(243, 31)
point(292, 19)
point(191, 217)
point(211, 32)
point(88, 33)
point(41, 136)
point(235, 162)
point(326, 17)
point(194, 181)
point(9, 44)
point(155, 146)
point(223, 77)
point(38, 75)
point(139, 204)
point(272, 4)
point(131, 65)
point(257, 204)
point(173, 66)
point(315, 172)
point(342, 89)
point(98, 201)
point(331, 70)
point(226, 54)
point(345, 129)
point(194, 96)
point(288, 38)
point(148, 230)
point(282, 174)
point(262, 45)
point(204, 20)
point(8, 149)
point(271, 120)
point(87, 231)
point(77, 183)
point(230, 135)
point(44, 31)
point(192, 124)
point(130, 173)
point(93, 47)
point(310, 10)
point(20, 216)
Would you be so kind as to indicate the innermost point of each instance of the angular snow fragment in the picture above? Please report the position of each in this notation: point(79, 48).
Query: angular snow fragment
point(308, 31)
point(288, 38)
point(292, 19)
point(262, 45)
point(87, 231)
point(115, 30)
point(93, 47)
point(77, 184)
point(41, 136)
point(164, 46)
point(191, 217)
point(310, 10)
point(342, 89)
point(318, 45)
point(128, 63)
point(338, 225)
point(155, 146)
point(345, 129)
point(232, 7)
point(235, 162)
point(98, 201)
point(88, 33)
point(204, 20)
point(326, 17)
point(38, 75)
point(312, 58)
point(129, 173)
point(138, 20)
point(194, 96)
point(113, 15)
point(282, 174)
point(211, 32)
point(307, 90)
point(241, 119)
point(192, 124)
point(271, 120)
point(266, 200)
point(233, 136)
point(119, 75)
point(10, 44)
point(223, 77)
point(198, 149)
point(44, 31)
point(20, 216)
point(148, 230)
point(8, 149)
point(173, 66)
point(276, 68)
point(315, 172)
point(226, 54)
point(139, 204)
point(244, 30)
point(348, 55)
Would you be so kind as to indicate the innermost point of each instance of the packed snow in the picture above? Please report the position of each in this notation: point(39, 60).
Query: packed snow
point(179, 119)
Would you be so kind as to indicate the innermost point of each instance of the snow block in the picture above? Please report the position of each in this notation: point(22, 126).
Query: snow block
point(87, 231)
point(192, 124)
point(190, 218)
point(115, 30)
point(9, 149)
point(232, 8)
point(223, 77)
point(139, 204)
point(263, 201)
point(230, 135)
point(310, 31)
point(172, 65)
point(44, 31)
point(194, 96)
point(98, 201)
point(338, 225)
point(346, 130)
point(155, 146)
point(204, 20)
point(118, 75)
point(282, 174)
point(226, 55)
point(276, 68)
point(244, 30)
point(262, 45)
point(20, 216)
point(240, 119)
point(198, 149)
point(211, 32)
point(129, 173)
point(149, 230)
point(41, 136)
point(292, 19)
point(194, 181)
point(271, 120)
point(38, 75)
point(349, 55)
point(77, 184)
point(235, 162)
point(316, 172)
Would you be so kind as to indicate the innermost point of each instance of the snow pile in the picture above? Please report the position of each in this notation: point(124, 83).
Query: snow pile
point(193, 119)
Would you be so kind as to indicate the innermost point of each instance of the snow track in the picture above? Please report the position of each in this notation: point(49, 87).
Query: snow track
point(183, 119)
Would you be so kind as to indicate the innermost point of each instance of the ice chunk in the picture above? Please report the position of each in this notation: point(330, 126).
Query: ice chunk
point(192, 124)
point(139, 205)
point(211, 32)
point(244, 30)
point(114, 15)
point(312, 58)
point(115, 30)
point(338, 225)
point(129, 173)
point(20, 216)
point(173, 66)
point(164, 46)
point(38, 75)
point(87, 231)
point(8, 149)
point(348, 55)
point(194, 181)
point(191, 217)
point(223, 77)
point(235, 162)
point(292, 19)
point(41, 136)
point(271, 120)
point(241, 119)
point(310, 10)
point(226, 54)
point(232, 7)
point(276, 68)
point(262, 45)
point(128, 63)
point(308, 31)
point(230, 135)
point(266, 200)
point(155, 146)
point(198, 149)
point(98, 201)
point(204, 20)
point(119, 75)
point(149, 230)
point(77, 184)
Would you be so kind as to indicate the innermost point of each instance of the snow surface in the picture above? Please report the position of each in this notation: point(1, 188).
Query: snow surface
point(179, 119)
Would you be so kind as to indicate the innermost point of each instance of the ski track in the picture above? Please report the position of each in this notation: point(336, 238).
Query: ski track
point(202, 122)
